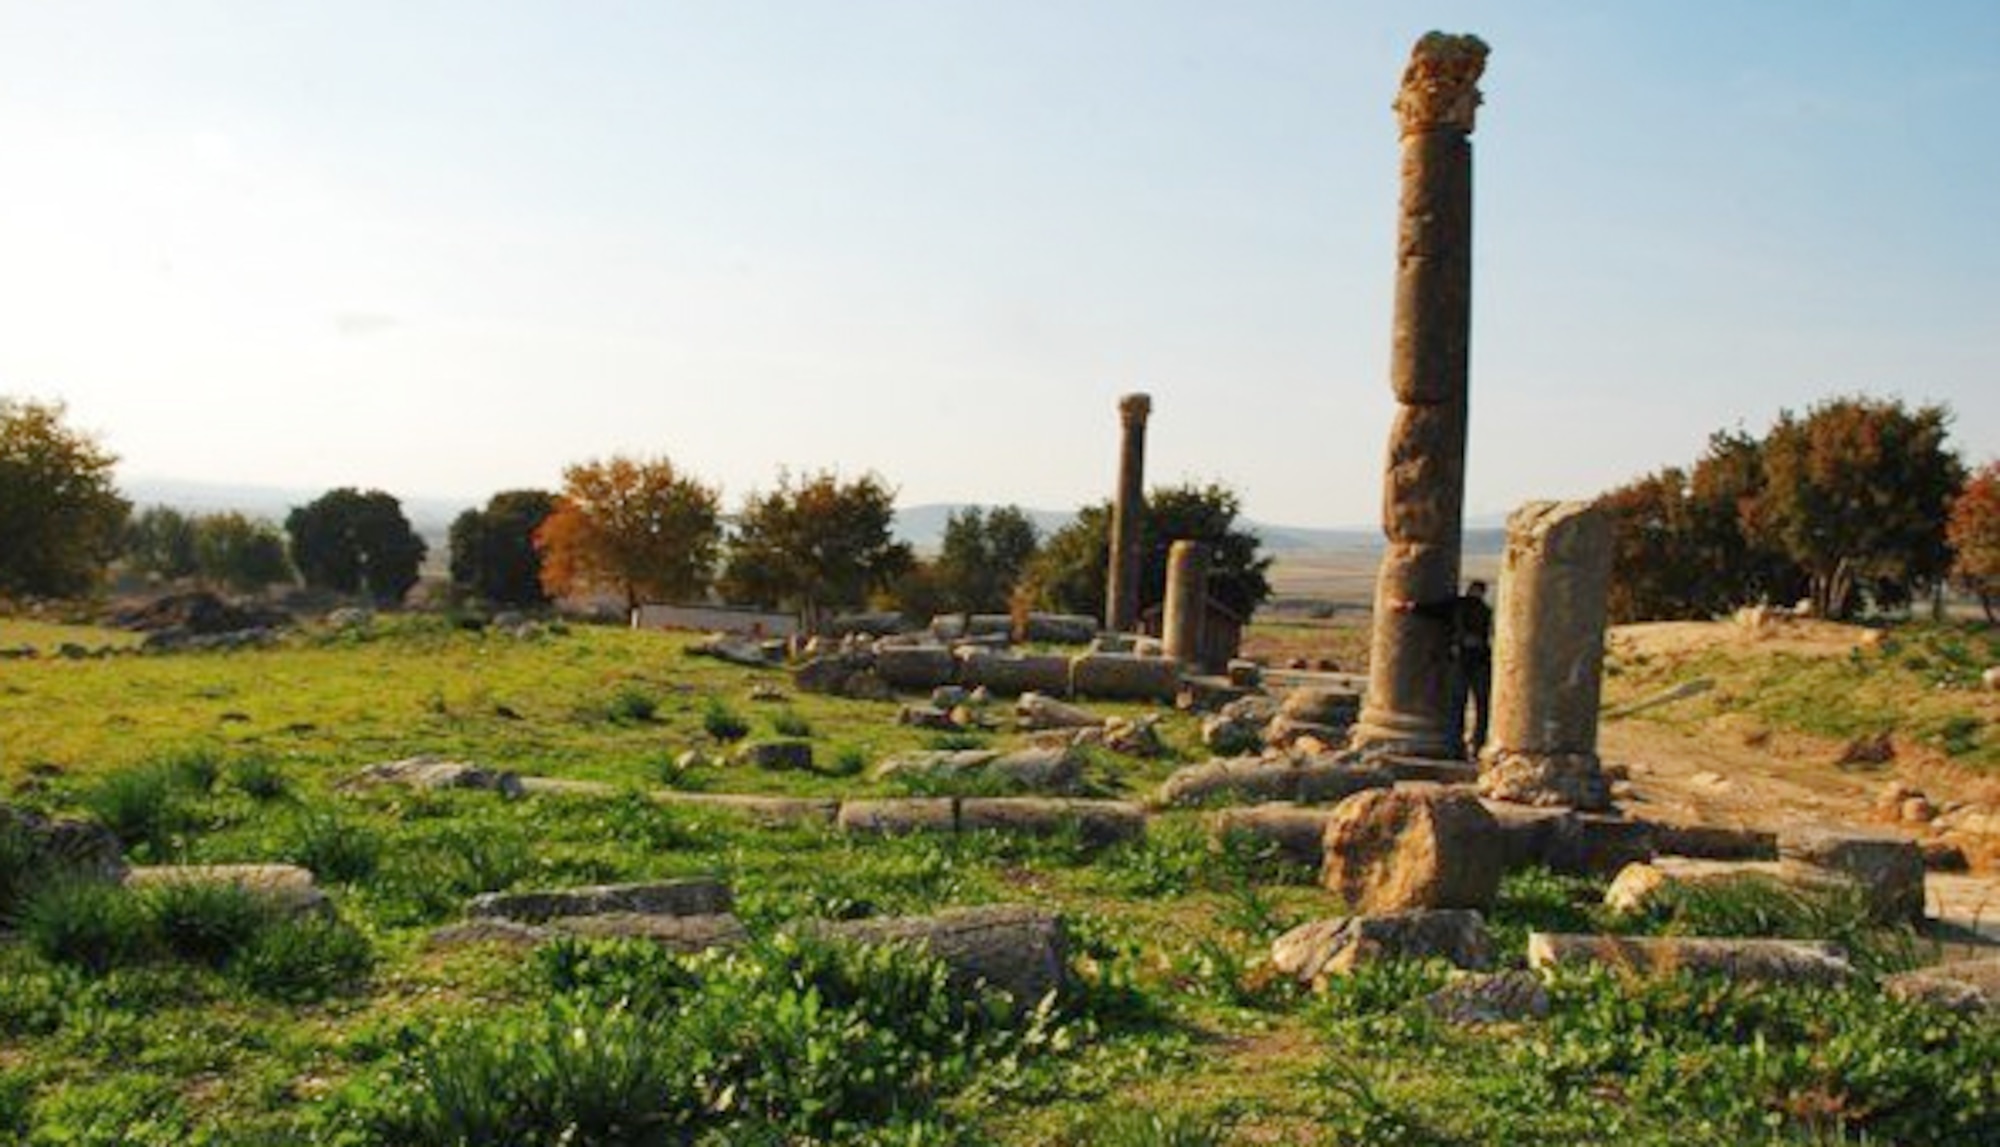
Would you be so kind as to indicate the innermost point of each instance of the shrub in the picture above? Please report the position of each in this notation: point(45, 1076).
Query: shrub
point(789, 1041)
point(847, 761)
point(86, 923)
point(144, 806)
point(304, 958)
point(259, 777)
point(718, 720)
point(204, 923)
point(334, 848)
point(788, 723)
point(22, 864)
point(194, 770)
point(631, 705)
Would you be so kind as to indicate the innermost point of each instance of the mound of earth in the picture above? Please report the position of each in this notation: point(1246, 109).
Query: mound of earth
point(198, 612)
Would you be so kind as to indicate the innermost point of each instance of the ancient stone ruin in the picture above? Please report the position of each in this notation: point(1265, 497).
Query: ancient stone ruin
point(1121, 595)
point(1424, 493)
point(1549, 658)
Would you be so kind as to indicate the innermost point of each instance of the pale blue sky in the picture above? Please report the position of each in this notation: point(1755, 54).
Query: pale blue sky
point(446, 248)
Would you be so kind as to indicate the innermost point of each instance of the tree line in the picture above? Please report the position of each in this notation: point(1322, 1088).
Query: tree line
point(1858, 503)
point(638, 529)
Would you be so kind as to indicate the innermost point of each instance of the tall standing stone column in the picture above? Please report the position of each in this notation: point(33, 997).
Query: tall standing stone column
point(1121, 590)
point(1187, 602)
point(1548, 658)
point(1409, 685)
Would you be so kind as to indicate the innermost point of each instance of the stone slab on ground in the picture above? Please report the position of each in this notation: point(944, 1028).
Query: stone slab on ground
point(434, 773)
point(1762, 960)
point(1712, 841)
point(685, 934)
point(1018, 948)
point(1121, 677)
point(1961, 985)
point(1038, 770)
point(895, 816)
point(762, 809)
point(1298, 832)
point(695, 897)
point(915, 668)
point(1098, 822)
point(1888, 867)
point(1965, 904)
point(1475, 998)
point(1313, 952)
point(1430, 770)
point(1640, 885)
point(287, 887)
point(1307, 780)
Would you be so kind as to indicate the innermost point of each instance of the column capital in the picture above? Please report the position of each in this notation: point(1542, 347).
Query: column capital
point(1440, 89)
point(1133, 409)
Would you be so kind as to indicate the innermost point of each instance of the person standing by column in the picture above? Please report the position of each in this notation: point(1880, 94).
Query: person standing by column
point(1470, 641)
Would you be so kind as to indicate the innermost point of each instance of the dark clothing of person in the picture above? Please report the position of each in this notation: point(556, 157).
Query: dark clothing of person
point(1471, 647)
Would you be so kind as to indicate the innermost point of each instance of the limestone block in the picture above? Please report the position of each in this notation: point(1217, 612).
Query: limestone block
point(1014, 674)
point(1297, 832)
point(1762, 960)
point(1122, 678)
point(1035, 711)
point(1477, 998)
point(897, 816)
point(1960, 985)
point(1316, 951)
point(1017, 948)
point(761, 809)
point(1889, 868)
point(1040, 770)
point(695, 897)
point(1333, 708)
point(1307, 780)
point(1098, 822)
point(434, 773)
point(915, 668)
point(287, 887)
point(1390, 850)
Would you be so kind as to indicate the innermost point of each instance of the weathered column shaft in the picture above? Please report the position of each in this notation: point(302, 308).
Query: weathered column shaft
point(1187, 601)
point(1409, 667)
point(1548, 657)
point(1121, 590)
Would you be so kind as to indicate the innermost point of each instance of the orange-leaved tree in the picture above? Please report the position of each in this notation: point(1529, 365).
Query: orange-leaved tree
point(636, 526)
point(1974, 530)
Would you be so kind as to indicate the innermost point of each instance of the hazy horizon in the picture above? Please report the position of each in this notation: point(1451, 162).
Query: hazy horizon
point(447, 249)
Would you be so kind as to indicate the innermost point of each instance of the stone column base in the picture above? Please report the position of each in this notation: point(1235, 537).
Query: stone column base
point(1570, 780)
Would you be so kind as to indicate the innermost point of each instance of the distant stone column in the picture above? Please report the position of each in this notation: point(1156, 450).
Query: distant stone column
point(1548, 658)
point(1187, 601)
point(1409, 685)
point(1121, 591)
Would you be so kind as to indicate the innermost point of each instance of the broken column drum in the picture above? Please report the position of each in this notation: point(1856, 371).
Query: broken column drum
point(1187, 602)
point(1121, 588)
point(1548, 658)
point(1409, 685)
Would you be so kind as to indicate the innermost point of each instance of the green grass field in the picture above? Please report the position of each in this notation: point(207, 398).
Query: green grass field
point(156, 1021)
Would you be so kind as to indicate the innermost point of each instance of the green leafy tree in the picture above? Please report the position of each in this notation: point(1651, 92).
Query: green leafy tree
point(816, 544)
point(239, 553)
point(1070, 570)
point(1656, 573)
point(160, 541)
point(352, 541)
point(493, 552)
point(982, 557)
point(637, 525)
point(61, 518)
point(1974, 532)
point(1857, 493)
